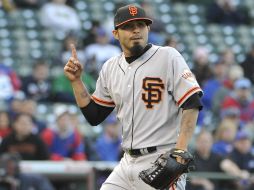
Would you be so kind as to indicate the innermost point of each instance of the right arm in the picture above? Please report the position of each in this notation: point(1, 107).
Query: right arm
point(73, 71)
point(231, 168)
point(93, 112)
point(81, 93)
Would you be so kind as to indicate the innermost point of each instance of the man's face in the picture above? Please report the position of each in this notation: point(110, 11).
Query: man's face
point(133, 37)
point(23, 125)
point(64, 122)
point(243, 94)
point(243, 145)
point(204, 143)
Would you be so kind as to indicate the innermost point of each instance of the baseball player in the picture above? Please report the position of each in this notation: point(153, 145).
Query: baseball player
point(156, 97)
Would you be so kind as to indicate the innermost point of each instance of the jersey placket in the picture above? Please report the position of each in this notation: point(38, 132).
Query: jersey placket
point(127, 94)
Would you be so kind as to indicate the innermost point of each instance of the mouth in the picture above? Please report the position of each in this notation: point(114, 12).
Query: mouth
point(136, 38)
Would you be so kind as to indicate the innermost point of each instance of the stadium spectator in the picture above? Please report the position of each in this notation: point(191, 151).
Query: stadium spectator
point(71, 38)
point(224, 137)
point(227, 57)
point(210, 87)
point(10, 83)
point(63, 140)
point(15, 106)
point(61, 88)
point(98, 52)
point(12, 178)
point(212, 84)
point(37, 86)
point(58, 16)
point(233, 73)
point(29, 107)
point(227, 13)
point(29, 4)
point(241, 153)
point(5, 124)
point(206, 160)
point(157, 29)
point(242, 99)
point(171, 41)
point(243, 156)
point(248, 65)
point(21, 140)
point(90, 38)
point(108, 145)
point(7, 5)
point(201, 65)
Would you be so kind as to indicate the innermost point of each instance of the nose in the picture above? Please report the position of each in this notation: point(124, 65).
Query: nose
point(136, 27)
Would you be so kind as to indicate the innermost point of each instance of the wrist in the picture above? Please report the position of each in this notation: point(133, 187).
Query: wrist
point(76, 81)
point(181, 146)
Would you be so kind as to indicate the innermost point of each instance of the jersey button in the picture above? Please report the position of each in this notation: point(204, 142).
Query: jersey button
point(129, 85)
point(129, 68)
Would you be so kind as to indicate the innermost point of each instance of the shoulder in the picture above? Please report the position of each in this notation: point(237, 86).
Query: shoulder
point(8, 139)
point(47, 134)
point(34, 137)
point(168, 52)
point(112, 62)
point(167, 49)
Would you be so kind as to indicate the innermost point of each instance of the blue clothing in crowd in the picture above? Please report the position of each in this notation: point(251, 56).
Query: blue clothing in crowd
point(108, 149)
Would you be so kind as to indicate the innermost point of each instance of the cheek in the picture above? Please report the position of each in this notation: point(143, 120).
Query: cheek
point(122, 38)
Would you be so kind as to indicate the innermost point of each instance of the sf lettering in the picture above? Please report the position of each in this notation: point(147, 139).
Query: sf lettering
point(152, 94)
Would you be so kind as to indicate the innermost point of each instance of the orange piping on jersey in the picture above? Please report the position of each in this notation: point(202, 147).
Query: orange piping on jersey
point(100, 101)
point(191, 91)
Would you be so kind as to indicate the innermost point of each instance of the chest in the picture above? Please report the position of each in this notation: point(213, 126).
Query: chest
point(143, 81)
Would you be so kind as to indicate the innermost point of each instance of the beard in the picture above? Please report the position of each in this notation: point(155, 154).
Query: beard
point(136, 49)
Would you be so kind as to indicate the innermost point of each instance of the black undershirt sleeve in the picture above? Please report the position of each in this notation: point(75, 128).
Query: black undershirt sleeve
point(95, 113)
point(192, 102)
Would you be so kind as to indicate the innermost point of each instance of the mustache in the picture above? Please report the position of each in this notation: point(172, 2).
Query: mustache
point(136, 37)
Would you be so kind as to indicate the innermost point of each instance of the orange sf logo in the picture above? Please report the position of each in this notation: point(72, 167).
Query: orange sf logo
point(133, 10)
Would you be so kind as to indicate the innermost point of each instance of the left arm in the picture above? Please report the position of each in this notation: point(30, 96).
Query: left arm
point(188, 124)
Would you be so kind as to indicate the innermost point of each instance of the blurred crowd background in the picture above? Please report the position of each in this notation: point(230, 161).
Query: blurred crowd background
point(39, 118)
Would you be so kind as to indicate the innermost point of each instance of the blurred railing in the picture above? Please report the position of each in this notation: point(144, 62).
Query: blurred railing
point(86, 171)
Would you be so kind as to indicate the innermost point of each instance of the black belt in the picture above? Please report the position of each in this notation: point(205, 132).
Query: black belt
point(142, 151)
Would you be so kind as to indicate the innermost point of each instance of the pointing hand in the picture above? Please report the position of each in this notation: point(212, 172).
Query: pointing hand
point(73, 69)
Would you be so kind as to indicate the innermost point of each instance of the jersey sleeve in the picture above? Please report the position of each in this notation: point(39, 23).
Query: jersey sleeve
point(101, 94)
point(183, 83)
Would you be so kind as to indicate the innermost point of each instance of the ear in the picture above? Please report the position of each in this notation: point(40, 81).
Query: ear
point(115, 34)
point(148, 27)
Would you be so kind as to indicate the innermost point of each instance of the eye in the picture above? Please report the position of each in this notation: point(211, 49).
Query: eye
point(127, 26)
point(141, 24)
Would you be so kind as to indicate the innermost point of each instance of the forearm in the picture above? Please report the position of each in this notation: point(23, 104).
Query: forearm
point(95, 113)
point(81, 93)
point(188, 124)
point(231, 168)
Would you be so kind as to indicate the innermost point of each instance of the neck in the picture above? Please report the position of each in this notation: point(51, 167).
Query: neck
point(205, 154)
point(136, 50)
point(132, 57)
point(20, 137)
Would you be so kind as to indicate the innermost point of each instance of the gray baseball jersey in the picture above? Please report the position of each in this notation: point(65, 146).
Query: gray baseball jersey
point(147, 94)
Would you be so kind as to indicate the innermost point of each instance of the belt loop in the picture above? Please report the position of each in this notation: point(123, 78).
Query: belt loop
point(145, 151)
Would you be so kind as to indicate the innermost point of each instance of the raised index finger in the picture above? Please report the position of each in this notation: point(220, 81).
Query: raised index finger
point(73, 51)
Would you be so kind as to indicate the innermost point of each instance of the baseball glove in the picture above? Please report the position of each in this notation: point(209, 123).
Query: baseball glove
point(166, 170)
